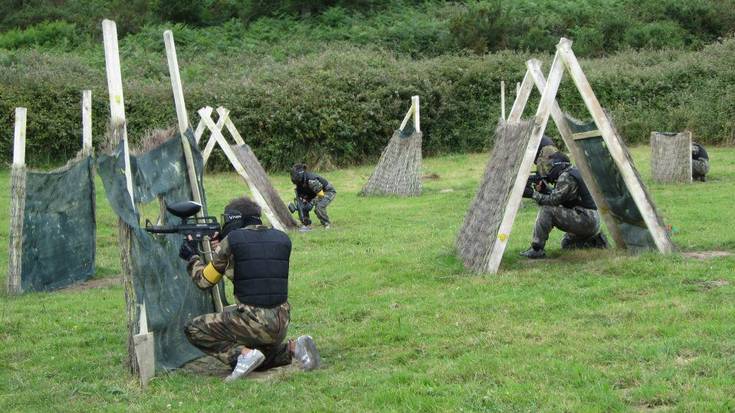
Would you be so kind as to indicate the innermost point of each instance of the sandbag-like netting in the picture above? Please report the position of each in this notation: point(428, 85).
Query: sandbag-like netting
point(621, 206)
point(479, 232)
point(159, 276)
point(59, 227)
point(260, 180)
point(671, 157)
point(399, 169)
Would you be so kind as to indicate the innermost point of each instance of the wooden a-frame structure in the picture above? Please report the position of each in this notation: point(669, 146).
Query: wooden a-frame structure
point(246, 164)
point(610, 141)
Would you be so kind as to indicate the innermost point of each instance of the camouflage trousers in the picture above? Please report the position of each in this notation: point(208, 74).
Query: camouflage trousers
point(321, 207)
point(578, 222)
point(224, 335)
point(700, 168)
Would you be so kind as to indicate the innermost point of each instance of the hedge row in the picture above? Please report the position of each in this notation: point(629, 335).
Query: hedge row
point(339, 107)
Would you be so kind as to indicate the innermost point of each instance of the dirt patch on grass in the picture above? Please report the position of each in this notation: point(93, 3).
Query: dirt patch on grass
point(706, 255)
point(210, 366)
point(96, 283)
point(431, 177)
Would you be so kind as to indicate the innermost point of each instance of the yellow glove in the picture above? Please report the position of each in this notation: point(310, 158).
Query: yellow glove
point(320, 194)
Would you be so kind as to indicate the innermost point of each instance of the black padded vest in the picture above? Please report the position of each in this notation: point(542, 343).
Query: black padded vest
point(261, 257)
point(584, 198)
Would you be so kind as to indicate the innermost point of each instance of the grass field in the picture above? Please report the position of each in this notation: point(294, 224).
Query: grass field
point(403, 327)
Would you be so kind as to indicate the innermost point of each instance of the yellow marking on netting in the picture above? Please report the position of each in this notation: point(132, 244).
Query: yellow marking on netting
point(503, 237)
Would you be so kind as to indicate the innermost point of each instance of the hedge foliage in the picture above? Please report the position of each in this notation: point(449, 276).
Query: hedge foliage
point(339, 106)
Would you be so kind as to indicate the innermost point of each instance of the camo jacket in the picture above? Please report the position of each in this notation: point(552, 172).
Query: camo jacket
point(566, 189)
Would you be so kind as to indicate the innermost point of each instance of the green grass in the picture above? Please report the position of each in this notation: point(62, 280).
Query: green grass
point(403, 327)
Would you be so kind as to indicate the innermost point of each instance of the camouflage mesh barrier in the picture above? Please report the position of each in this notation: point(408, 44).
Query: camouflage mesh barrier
point(59, 227)
point(158, 274)
point(399, 169)
point(605, 172)
point(479, 232)
point(671, 157)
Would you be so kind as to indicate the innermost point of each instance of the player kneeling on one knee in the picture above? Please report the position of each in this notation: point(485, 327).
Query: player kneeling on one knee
point(568, 206)
point(315, 190)
point(252, 334)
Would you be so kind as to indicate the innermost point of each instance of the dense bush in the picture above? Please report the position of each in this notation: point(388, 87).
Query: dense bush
point(419, 28)
point(340, 106)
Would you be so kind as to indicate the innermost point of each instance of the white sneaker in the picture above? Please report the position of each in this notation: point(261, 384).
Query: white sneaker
point(306, 353)
point(245, 364)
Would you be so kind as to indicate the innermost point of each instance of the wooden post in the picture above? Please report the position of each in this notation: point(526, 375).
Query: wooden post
point(17, 203)
point(183, 120)
point(416, 113)
point(87, 122)
point(224, 117)
point(502, 99)
point(534, 67)
point(613, 142)
point(540, 121)
point(141, 345)
point(671, 157)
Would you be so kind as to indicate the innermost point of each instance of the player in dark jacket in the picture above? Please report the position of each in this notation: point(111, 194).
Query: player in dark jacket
point(315, 189)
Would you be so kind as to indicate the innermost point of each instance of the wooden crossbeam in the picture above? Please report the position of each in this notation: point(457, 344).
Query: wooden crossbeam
point(586, 135)
point(414, 111)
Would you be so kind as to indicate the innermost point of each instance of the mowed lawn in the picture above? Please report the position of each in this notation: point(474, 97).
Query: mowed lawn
point(403, 327)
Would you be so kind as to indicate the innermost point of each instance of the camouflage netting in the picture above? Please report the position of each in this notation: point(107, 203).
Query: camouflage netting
point(158, 274)
point(260, 179)
point(671, 157)
point(622, 207)
point(399, 169)
point(479, 232)
point(59, 227)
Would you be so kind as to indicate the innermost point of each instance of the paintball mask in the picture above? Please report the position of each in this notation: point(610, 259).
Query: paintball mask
point(297, 173)
point(231, 220)
point(557, 164)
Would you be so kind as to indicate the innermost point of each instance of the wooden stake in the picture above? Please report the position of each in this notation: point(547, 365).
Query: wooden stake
point(87, 122)
point(416, 113)
point(17, 203)
point(183, 120)
point(502, 99)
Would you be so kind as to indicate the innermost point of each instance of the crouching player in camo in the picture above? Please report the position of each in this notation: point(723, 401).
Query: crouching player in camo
point(251, 334)
point(568, 206)
point(314, 189)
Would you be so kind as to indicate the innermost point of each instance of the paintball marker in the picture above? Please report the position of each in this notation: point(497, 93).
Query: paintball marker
point(302, 207)
point(538, 183)
point(197, 227)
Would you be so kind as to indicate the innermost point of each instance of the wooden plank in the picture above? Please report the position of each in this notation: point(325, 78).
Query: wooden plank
point(257, 196)
point(183, 120)
point(225, 113)
point(87, 122)
point(614, 144)
point(224, 116)
point(519, 105)
point(199, 131)
point(17, 203)
point(534, 67)
point(502, 99)
point(586, 135)
point(540, 121)
point(407, 117)
point(117, 100)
